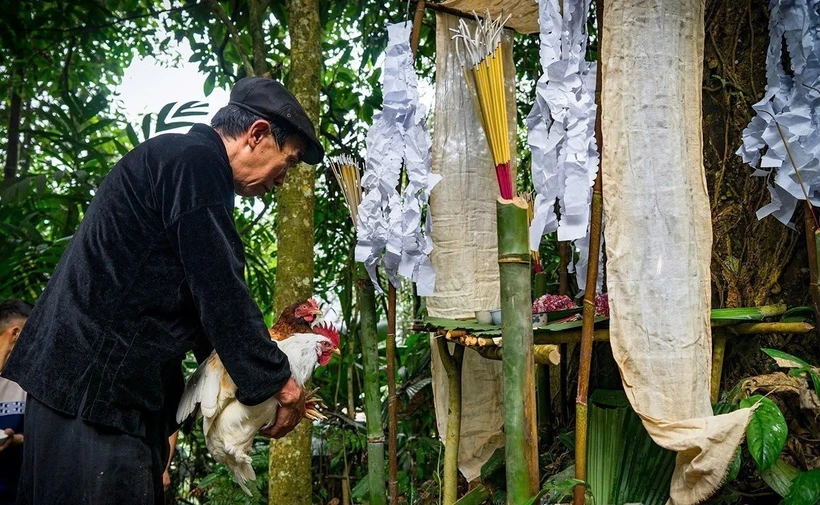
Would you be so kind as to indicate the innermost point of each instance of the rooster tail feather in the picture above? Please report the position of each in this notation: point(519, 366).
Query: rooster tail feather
point(240, 465)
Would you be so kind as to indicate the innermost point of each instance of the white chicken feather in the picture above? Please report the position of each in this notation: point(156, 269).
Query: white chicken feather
point(230, 426)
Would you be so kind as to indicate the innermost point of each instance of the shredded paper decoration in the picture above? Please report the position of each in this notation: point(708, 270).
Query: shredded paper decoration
point(562, 129)
point(790, 109)
point(390, 231)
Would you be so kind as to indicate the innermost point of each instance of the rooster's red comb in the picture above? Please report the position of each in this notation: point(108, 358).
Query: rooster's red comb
point(328, 330)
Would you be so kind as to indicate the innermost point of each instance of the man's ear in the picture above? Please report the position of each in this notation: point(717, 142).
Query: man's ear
point(258, 131)
point(15, 332)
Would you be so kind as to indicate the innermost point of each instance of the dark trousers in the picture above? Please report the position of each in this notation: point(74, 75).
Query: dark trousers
point(68, 461)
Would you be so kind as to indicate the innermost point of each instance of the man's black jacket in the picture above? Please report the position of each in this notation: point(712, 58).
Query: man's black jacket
point(154, 270)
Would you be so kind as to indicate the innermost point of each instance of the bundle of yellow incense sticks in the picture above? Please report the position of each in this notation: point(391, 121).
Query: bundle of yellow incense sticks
point(482, 55)
point(349, 176)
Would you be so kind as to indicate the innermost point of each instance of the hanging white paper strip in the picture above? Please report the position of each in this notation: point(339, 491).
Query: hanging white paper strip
point(793, 103)
point(390, 228)
point(562, 127)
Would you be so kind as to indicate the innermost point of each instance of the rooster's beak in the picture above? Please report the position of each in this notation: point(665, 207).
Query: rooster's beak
point(337, 351)
point(317, 312)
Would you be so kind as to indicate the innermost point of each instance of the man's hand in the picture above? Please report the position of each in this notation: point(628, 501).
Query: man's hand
point(7, 442)
point(291, 410)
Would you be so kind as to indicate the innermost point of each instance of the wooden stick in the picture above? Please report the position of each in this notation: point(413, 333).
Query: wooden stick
point(418, 17)
point(596, 220)
point(392, 418)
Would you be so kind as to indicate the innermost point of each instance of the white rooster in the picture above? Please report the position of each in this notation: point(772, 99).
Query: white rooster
point(230, 426)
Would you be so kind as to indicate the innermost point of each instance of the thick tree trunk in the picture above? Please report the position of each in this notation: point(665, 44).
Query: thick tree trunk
point(290, 476)
point(753, 262)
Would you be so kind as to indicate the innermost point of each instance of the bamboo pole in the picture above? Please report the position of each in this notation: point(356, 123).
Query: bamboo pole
point(516, 329)
point(718, 353)
point(543, 355)
point(596, 221)
point(563, 284)
point(369, 339)
point(392, 418)
point(452, 365)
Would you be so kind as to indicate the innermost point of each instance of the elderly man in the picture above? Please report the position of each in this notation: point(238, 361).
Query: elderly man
point(156, 269)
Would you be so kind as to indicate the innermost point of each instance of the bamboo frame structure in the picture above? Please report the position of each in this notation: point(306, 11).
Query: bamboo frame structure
point(518, 363)
point(595, 226)
point(452, 365)
point(372, 395)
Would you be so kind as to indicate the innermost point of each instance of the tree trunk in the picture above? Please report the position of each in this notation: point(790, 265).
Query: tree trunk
point(290, 474)
point(753, 262)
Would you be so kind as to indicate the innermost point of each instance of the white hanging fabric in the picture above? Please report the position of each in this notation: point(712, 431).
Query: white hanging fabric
point(793, 103)
point(390, 229)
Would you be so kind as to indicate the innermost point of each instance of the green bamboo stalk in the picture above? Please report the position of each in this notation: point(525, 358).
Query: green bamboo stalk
point(588, 329)
point(718, 352)
point(518, 363)
point(452, 365)
point(372, 397)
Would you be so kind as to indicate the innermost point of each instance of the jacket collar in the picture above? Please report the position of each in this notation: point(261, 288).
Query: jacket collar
point(213, 137)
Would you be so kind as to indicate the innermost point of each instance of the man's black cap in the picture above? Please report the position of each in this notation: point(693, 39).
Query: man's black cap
point(272, 101)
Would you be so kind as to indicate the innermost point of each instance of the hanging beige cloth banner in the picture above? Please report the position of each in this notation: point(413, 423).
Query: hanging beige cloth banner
point(658, 235)
point(465, 252)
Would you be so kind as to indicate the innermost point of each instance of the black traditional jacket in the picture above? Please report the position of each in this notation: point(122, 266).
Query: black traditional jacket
point(155, 269)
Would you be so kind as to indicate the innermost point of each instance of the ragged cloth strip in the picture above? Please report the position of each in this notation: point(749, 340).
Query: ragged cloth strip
point(659, 235)
point(562, 128)
point(793, 103)
point(392, 229)
point(466, 252)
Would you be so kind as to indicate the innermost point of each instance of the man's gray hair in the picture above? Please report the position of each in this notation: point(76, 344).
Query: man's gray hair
point(232, 121)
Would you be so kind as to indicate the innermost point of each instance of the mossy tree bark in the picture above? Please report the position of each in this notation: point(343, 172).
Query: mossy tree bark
point(290, 475)
point(753, 262)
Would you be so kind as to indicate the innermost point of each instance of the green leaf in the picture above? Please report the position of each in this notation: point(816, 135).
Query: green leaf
point(734, 468)
point(562, 488)
point(132, 135)
point(779, 477)
point(767, 431)
point(785, 359)
point(805, 489)
point(208, 87)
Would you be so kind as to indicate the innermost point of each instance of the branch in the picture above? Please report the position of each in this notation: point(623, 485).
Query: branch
point(231, 28)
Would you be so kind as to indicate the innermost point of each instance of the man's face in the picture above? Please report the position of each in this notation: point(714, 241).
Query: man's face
point(261, 164)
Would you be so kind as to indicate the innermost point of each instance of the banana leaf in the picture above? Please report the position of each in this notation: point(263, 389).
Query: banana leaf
point(624, 464)
point(723, 317)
